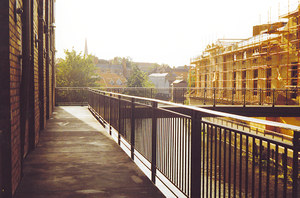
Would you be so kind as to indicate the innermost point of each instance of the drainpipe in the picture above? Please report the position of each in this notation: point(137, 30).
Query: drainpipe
point(26, 60)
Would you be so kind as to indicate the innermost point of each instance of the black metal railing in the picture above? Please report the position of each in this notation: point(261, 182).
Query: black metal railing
point(245, 97)
point(1, 164)
point(192, 96)
point(71, 96)
point(194, 156)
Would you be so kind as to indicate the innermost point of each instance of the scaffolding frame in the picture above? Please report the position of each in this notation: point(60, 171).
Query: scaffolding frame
point(269, 60)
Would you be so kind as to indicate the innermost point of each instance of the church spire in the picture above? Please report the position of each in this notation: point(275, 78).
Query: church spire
point(85, 49)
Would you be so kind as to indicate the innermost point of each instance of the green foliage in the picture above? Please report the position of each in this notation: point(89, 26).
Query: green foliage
point(138, 78)
point(76, 71)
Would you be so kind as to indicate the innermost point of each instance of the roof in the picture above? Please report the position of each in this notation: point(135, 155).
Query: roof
point(179, 81)
point(109, 66)
point(158, 74)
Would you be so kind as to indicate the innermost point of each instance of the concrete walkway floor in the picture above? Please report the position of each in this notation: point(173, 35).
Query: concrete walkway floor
point(76, 158)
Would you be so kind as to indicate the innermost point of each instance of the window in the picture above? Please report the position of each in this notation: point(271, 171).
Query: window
point(255, 87)
point(244, 79)
point(255, 73)
point(268, 87)
point(269, 72)
point(234, 79)
point(294, 75)
point(224, 79)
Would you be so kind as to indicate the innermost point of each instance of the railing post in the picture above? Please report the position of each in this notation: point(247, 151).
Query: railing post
point(232, 99)
point(286, 96)
point(119, 130)
point(260, 96)
point(2, 190)
point(195, 155)
point(295, 162)
point(110, 112)
point(154, 132)
point(273, 102)
point(244, 92)
point(204, 96)
point(214, 97)
point(132, 139)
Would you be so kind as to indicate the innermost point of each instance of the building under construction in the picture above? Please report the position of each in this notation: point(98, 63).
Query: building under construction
point(253, 68)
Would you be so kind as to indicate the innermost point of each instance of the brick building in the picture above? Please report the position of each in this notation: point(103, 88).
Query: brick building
point(26, 82)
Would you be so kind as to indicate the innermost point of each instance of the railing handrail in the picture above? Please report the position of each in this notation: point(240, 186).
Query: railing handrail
point(211, 112)
point(200, 88)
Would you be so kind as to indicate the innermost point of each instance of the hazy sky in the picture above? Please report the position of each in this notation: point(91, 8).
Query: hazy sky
point(161, 31)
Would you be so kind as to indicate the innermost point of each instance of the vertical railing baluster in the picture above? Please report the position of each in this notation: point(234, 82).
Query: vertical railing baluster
point(268, 170)
point(234, 164)
point(246, 166)
point(220, 161)
point(224, 177)
point(203, 131)
point(276, 172)
point(214, 97)
point(132, 135)
point(207, 128)
point(241, 165)
point(232, 96)
point(285, 172)
point(253, 166)
point(260, 168)
point(211, 158)
point(119, 119)
point(295, 163)
point(110, 112)
point(154, 134)
point(229, 165)
point(195, 156)
point(215, 181)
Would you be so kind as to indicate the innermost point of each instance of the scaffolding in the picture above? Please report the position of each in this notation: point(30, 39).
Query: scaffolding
point(269, 60)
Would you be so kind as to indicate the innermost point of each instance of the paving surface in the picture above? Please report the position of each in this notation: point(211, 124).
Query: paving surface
point(76, 158)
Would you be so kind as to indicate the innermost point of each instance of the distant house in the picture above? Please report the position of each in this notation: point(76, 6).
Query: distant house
point(108, 79)
point(181, 72)
point(161, 83)
point(179, 88)
point(117, 69)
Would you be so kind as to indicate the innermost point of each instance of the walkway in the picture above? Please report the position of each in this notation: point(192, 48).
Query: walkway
point(76, 158)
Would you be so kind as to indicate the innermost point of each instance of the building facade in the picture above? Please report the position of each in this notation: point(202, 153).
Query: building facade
point(27, 53)
point(268, 60)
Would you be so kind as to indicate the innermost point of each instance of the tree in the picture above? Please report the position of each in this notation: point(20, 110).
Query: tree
point(138, 78)
point(76, 71)
point(120, 60)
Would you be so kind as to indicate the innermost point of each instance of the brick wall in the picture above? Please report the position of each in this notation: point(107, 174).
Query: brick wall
point(25, 90)
point(15, 50)
point(36, 73)
point(5, 98)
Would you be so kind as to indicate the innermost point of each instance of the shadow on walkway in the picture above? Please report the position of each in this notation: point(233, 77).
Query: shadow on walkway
point(75, 158)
